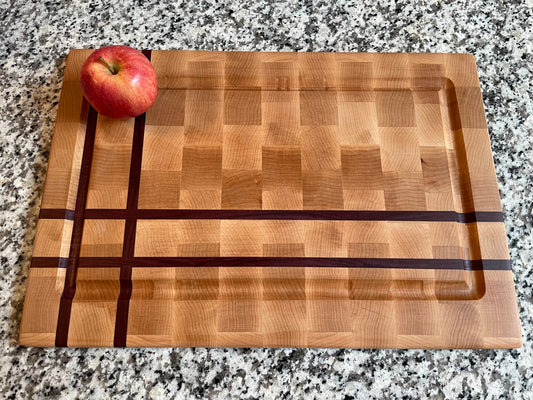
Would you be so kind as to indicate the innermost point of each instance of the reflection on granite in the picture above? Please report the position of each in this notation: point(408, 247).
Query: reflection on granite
point(36, 39)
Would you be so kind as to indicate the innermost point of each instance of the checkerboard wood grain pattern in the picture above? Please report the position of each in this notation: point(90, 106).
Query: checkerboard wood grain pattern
point(276, 199)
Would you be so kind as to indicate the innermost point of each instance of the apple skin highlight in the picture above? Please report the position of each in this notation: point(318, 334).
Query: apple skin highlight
point(128, 92)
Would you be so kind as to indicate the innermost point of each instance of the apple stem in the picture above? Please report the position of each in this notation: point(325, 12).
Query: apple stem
point(108, 66)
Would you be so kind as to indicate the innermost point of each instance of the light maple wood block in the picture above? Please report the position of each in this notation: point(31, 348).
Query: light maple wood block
point(108, 184)
point(53, 238)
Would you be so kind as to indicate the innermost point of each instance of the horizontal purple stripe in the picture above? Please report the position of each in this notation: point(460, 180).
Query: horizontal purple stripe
point(308, 262)
point(56, 213)
point(339, 215)
point(480, 216)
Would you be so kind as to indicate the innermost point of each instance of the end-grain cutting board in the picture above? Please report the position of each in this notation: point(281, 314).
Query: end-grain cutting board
point(276, 199)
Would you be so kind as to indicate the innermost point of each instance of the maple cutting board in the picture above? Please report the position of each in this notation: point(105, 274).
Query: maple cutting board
point(276, 199)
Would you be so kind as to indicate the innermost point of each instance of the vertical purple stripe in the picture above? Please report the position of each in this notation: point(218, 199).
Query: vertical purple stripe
point(69, 290)
point(123, 302)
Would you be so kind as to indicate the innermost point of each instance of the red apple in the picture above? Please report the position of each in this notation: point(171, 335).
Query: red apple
point(119, 82)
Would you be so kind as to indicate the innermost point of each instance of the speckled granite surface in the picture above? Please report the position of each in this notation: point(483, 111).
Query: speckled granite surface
point(35, 41)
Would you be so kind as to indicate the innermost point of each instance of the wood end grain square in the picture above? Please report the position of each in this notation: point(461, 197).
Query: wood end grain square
point(429, 126)
point(241, 189)
point(461, 69)
point(329, 316)
point(486, 195)
point(285, 322)
point(361, 168)
point(96, 283)
point(440, 201)
point(109, 180)
point(102, 238)
point(391, 69)
point(365, 231)
point(356, 75)
point(94, 307)
point(242, 147)
point(281, 117)
point(198, 250)
point(322, 189)
point(427, 75)
point(153, 283)
point(162, 148)
point(242, 70)
point(168, 108)
point(395, 108)
point(399, 149)
point(241, 238)
point(279, 75)
point(284, 283)
point(435, 169)
point(478, 152)
point(170, 68)
point(320, 148)
point(239, 316)
point(492, 245)
point(318, 107)
point(150, 317)
point(205, 74)
point(194, 321)
point(324, 239)
point(404, 191)
point(110, 165)
point(58, 191)
point(71, 106)
point(202, 168)
point(92, 323)
point(409, 315)
point(242, 107)
point(409, 240)
point(159, 189)
point(447, 252)
point(197, 283)
point(43, 296)
point(357, 123)
point(52, 238)
point(317, 70)
point(282, 167)
point(444, 234)
point(167, 238)
point(204, 117)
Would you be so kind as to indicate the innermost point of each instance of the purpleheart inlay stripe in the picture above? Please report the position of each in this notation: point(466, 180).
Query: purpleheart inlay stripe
point(123, 302)
point(69, 290)
point(306, 262)
point(339, 215)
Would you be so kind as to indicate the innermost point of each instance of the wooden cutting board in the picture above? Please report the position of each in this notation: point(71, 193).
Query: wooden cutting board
point(276, 199)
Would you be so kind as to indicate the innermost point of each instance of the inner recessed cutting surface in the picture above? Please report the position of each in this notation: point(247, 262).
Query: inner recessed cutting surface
point(374, 151)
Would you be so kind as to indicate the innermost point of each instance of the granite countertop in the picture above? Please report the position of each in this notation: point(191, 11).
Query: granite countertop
point(36, 39)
